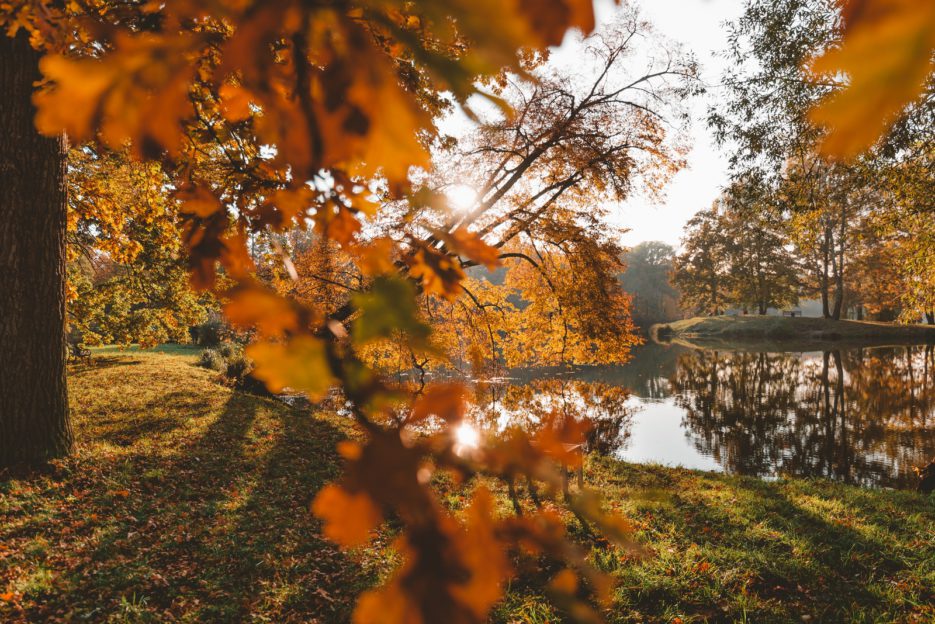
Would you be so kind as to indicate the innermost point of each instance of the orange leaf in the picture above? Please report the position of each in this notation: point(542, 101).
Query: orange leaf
point(470, 245)
point(198, 201)
point(565, 582)
point(235, 102)
point(255, 306)
point(483, 555)
point(445, 400)
point(887, 54)
point(348, 517)
point(440, 274)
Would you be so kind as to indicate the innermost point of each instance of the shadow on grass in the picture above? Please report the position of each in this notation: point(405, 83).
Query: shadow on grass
point(216, 531)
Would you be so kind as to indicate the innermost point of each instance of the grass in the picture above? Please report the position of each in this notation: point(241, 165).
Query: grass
point(770, 332)
point(187, 502)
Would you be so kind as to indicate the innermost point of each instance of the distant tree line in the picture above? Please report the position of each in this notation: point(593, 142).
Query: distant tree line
point(795, 223)
point(758, 247)
point(647, 279)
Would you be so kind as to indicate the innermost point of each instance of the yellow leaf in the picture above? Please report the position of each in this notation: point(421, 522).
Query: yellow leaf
point(299, 364)
point(348, 517)
point(440, 273)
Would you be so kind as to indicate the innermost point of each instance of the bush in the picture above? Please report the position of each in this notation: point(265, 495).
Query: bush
point(238, 367)
point(211, 358)
point(230, 350)
point(209, 333)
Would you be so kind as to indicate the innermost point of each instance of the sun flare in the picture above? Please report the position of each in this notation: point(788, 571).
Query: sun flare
point(461, 197)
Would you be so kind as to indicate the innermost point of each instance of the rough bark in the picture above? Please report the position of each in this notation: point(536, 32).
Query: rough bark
point(34, 423)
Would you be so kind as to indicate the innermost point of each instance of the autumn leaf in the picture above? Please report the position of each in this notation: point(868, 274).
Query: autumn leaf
point(387, 307)
point(468, 244)
point(445, 400)
point(299, 364)
point(235, 102)
point(348, 517)
point(887, 56)
point(139, 93)
point(198, 201)
point(375, 257)
point(440, 274)
point(565, 582)
point(483, 556)
point(252, 306)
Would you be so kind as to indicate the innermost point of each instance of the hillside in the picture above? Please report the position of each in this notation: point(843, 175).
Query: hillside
point(188, 502)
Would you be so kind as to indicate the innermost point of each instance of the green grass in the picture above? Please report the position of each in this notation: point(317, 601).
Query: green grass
point(188, 502)
point(770, 332)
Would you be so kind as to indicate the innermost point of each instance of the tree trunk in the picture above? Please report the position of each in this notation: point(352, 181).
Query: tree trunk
point(930, 318)
point(34, 424)
point(823, 278)
point(839, 265)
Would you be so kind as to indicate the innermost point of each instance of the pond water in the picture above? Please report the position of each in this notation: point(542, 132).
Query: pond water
point(862, 415)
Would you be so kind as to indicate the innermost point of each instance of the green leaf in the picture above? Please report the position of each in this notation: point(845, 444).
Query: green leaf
point(389, 306)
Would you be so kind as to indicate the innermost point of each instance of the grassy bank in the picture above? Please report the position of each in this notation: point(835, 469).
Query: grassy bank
point(792, 333)
point(187, 502)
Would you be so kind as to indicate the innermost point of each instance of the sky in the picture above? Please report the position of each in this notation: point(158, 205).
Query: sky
point(697, 24)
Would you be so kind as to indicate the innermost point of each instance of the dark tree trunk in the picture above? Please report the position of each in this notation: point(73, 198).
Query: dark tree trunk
point(823, 278)
point(930, 318)
point(34, 424)
point(839, 266)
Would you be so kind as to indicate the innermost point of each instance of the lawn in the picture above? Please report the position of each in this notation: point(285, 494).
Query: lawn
point(188, 502)
point(777, 333)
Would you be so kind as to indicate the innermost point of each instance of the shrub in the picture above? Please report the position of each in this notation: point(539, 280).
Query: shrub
point(209, 333)
point(210, 358)
point(238, 367)
point(230, 350)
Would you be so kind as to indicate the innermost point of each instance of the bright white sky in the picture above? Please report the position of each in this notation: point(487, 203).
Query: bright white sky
point(697, 24)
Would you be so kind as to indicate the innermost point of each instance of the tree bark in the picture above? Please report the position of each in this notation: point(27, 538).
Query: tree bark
point(823, 278)
point(930, 318)
point(839, 265)
point(34, 420)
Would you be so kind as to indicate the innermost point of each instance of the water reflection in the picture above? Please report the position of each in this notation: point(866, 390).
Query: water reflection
point(862, 416)
point(604, 406)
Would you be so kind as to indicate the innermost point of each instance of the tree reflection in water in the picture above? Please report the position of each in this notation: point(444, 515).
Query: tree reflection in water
point(863, 416)
point(498, 406)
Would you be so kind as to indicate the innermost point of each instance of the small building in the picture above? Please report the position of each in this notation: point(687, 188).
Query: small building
point(792, 312)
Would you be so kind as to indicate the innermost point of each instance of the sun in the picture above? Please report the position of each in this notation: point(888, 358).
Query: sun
point(467, 438)
point(461, 197)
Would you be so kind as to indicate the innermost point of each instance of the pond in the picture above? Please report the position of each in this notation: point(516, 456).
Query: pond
point(864, 416)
